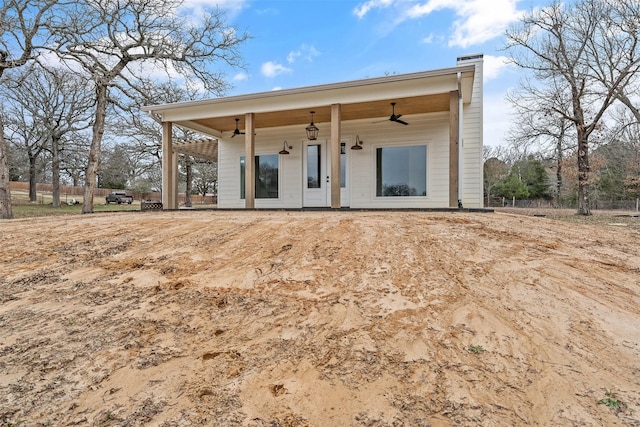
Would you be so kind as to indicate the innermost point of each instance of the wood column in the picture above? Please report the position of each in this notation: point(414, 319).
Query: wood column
point(454, 149)
point(336, 117)
point(174, 181)
point(249, 162)
point(167, 166)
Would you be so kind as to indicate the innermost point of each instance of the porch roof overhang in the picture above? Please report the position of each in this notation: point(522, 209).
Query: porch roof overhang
point(414, 93)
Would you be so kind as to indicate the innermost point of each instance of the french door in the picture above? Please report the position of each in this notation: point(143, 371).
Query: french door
point(316, 186)
point(317, 181)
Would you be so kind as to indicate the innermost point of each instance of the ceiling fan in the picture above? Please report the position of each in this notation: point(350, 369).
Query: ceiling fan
point(237, 131)
point(394, 117)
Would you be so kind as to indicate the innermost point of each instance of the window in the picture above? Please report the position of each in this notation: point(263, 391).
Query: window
point(401, 171)
point(266, 176)
point(313, 166)
point(343, 165)
point(242, 172)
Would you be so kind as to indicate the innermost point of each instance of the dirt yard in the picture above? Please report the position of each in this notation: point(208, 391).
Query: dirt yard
point(319, 319)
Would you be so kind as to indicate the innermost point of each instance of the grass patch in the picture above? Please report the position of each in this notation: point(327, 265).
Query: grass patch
point(42, 207)
point(23, 208)
point(31, 210)
point(611, 400)
point(476, 349)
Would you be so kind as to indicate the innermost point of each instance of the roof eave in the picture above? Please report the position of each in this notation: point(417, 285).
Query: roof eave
point(467, 69)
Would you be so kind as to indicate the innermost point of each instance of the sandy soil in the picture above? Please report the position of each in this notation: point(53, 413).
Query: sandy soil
point(319, 319)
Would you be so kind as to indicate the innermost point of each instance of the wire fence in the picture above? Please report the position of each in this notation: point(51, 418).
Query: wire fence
point(496, 202)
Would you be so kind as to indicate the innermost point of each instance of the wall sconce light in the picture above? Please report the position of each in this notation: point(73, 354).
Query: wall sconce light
point(358, 144)
point(312, 130)
point(285, 148)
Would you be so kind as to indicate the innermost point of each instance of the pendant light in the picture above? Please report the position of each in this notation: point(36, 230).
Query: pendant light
point(312, 130)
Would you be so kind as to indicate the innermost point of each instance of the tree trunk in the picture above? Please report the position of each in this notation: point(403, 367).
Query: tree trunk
point(188, 166)
point(33, 197)
point(94, 150)
point(559, 159)
point(583, 174)
point(55, 171)
point(5, 189)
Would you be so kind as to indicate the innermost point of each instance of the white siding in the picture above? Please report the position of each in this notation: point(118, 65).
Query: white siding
point(269, 141)
point(472, 187)
point(431, 130)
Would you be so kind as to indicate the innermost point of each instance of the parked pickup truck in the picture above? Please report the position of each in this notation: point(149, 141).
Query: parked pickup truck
point(118, 197)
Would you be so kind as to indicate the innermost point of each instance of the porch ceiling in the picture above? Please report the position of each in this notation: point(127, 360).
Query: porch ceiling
point(352, 111)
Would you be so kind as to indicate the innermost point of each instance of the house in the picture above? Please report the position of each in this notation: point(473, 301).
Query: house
point(399, 141)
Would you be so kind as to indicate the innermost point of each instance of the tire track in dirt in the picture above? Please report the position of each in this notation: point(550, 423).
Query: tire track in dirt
point(315, 318)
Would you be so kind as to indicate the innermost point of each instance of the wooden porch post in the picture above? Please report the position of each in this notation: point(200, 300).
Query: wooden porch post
point(249, 162)
point(174, 181)
point(454, 149)
point(167, 166)
point(336, 117)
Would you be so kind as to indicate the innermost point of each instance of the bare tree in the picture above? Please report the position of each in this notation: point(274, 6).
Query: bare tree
point(22, 22)
point(5, 190)
point(626, 130)
point(574, 47)
point(54, 102)
point(113, 42)
point(541, 126)
point(141, 133)
point(188, 172)
point(28, 134)
point(205, 177)
point(74, 157)
point(495, 172)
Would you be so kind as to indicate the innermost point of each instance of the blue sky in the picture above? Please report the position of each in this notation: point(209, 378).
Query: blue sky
point(309, 42)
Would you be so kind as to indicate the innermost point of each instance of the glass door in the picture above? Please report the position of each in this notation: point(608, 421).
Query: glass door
point(315, 174)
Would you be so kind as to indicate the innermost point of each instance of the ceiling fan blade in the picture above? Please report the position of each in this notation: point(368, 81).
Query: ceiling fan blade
point(402, 122)
point(380, 121)
point(233, 135)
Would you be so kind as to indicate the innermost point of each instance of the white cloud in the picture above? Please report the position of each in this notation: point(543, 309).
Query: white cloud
point(493, 65)
point(428, 39)
point(240, 77)
point(364, 8)
point(277, 88)
point(269, 11)
point(306, 51)
point(195, 9)
point(481, 20)
point(293, 55)
point(272, 69)
point(419, 10)
point(230, 5)
point(477, 21)
point(498, 118)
